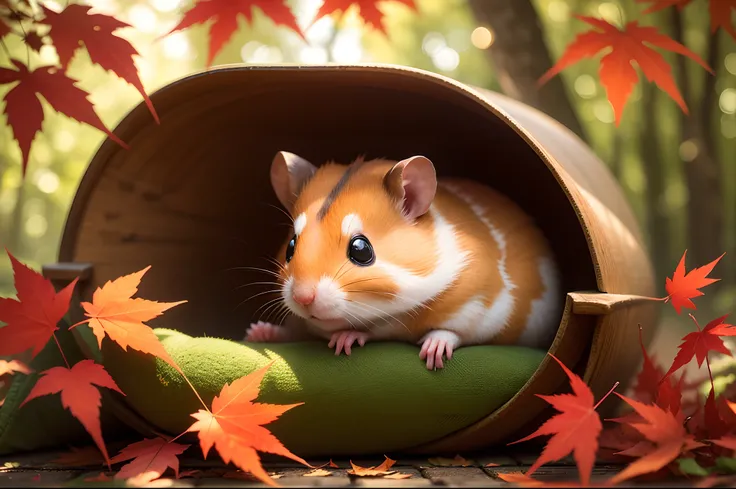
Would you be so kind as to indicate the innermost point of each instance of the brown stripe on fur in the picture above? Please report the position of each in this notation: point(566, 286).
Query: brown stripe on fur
point(349, 172)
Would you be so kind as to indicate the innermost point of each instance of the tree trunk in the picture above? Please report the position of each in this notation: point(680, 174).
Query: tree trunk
point(705, 209)
point(520, 57)
point(657, 223)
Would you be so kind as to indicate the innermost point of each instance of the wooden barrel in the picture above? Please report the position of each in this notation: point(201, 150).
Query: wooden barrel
point(192, 198)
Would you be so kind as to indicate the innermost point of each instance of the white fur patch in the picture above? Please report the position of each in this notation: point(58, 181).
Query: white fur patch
point(415, 290)
point(299, 223)
point(492, 320)
point(545, 310)
point(352, 225)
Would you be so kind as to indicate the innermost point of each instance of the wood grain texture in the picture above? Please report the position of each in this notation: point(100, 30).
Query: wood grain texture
point(192, 198)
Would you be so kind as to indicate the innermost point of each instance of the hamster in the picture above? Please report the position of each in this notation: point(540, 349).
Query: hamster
point(383, 250)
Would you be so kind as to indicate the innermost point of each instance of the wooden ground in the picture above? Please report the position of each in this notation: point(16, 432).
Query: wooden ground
point(37, 470)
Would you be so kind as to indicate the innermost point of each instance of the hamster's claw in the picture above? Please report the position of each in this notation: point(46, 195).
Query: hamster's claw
point(262, 332)
point(436, 344)
point(345, 339)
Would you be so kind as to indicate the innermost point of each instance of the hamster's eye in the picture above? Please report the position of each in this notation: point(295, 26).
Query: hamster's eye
point(360, 251)
point(290, 249)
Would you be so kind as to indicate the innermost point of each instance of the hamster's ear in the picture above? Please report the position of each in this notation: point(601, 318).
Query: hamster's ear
point(413, 182)
point(289, 173)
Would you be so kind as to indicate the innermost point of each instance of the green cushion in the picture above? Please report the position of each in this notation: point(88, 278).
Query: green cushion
point(380, 399)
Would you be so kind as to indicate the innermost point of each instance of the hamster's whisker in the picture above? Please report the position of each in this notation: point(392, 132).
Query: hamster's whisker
point(254, 296)
point(337, 274)
point(258, 283)
point(277, 263)
point(291, 219)
point(268, 304)
point(383, 313)
point(264, 270)
point(359, 281)
point(285, 311)
point(413, 309)
point(362, 323)
point(274, 308)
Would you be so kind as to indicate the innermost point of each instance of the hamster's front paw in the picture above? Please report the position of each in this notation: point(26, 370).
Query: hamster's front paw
point(436, 344)
point(262, 332)
point(345, 339)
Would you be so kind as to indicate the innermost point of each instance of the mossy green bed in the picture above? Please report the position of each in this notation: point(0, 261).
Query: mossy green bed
point(380, 399)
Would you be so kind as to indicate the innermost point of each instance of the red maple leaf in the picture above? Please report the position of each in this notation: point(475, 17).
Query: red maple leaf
point(151, 458)
point(666, 439)
point(681, 287)
point(698, 343)
point(616, 72)
point(75, 26)
point(575, 429)
point(368, 10)
point(720, 12)
point(4, 28)
point(78, 394)
point(31, 320)
point(647, 382)
point(225, 13)
point(235, 426)
point(23, 107)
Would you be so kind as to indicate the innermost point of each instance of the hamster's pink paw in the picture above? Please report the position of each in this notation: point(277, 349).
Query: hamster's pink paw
point(345, 339)
point(262, 332)
point(436, 344)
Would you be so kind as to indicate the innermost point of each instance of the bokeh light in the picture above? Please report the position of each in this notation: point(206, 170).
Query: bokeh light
point(482, 37)
point(727, 101)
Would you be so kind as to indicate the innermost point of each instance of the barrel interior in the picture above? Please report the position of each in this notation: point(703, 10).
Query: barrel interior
point(192, 196)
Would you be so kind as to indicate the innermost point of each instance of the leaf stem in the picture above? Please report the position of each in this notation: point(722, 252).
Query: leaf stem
point(707, 361)
point(607, 394)
point(78, 324)
point(61, 351)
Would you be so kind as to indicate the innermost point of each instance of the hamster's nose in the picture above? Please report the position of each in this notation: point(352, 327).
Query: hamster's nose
point(303, 295)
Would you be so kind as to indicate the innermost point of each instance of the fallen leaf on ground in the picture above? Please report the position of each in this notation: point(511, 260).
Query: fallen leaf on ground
point(235, 426)
point(682, 287)
point(24, 110)
point(194, 473)
point(13, 366)
point(574, 430)
point(667, 436)
point(78, 394)
point(457, 461)
point(367, 9)
point(492, 464)
point(332, 464)
point(617, 74)
point(30, 321)
point(113, 312)
point(225, 15)
point(80, 457)
point(75, 26)
point(376, 471)
point(397, 475)
point(150, 459)
point(318, 473)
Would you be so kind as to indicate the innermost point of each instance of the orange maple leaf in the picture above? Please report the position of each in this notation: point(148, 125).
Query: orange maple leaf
point(151, 457)
point(617, 74)
point(31, 320)
point(666, 436)
point(78, 394)
point(13, 366)
point(113, 312)
point(575, 429)
point(235, 426)
point(683, 287)
point(720, 12)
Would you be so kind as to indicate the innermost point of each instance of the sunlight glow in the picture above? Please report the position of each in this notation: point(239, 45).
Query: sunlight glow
point(321, 31)
point(166, 5)
point(727, 101)
point(348, 48)
point(64, 141)
point(47, 181)
point(446, 59)
point(313, 55)
point(603, 111)
point(433, 42)
point(585, 86)
point(36, 226)
point(482, 37)
point(612, 13)
point(142, 18)
point(558, 11)
point(176, 45)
